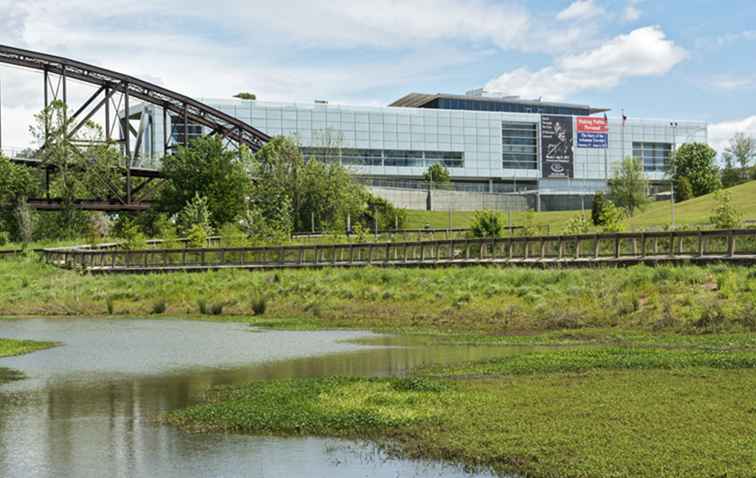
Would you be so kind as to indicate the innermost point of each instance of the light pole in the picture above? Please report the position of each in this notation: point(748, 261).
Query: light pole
point(673, 125)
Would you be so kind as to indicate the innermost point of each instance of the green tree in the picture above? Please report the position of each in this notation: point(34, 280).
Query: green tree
point(628, 188)
point(17, 184)
point(597, 208)
point(291, 188)
point(487, 224)
point(725, 215)
point(697, 162)
point(244, 95)
point(209, 170)
point(743, 149)
point(387, 216)
point(730, 175)
point(85, 166)
point(195, 213)
point(683, 189)
point(438, 175)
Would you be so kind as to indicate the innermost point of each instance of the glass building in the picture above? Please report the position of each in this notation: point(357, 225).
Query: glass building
point(488, 144)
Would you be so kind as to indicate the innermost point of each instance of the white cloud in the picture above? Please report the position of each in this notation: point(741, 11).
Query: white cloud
point(642, 52)
point(720, 133)
point(580, 10)
point(212, 49)
point(734, 82)
point(730, 38)
point(632, 12)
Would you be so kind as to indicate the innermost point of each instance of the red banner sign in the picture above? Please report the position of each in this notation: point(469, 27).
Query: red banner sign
point(590, 124)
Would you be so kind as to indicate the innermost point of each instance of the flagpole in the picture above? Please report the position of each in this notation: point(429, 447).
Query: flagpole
point(606, 153)
point(623, 134)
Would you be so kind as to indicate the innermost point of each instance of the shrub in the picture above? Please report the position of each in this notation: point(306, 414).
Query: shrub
point(597, 209)
point(578, 225)
point(487, 224)
point(612, 218)
point(202, 306)
point(259, 304)
point(418, 384)
point(725, 215)
point(197, 236)
point(109, 305)
point(159, 307)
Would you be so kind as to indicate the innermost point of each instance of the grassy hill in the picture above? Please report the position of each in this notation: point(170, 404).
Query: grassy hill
point(656, 215)
point(697, 211)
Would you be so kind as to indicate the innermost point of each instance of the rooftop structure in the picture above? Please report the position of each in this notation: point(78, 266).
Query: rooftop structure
point(482, 100)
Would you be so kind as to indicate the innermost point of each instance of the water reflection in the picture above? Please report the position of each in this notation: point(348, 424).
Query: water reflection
point(88, 407)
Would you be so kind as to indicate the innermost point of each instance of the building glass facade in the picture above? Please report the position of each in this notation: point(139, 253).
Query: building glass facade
point(484, 150)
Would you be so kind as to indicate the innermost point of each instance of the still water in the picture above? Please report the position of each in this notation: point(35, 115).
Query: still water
point(88, 407)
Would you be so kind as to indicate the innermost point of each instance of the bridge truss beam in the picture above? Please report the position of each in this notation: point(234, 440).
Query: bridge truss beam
point(115, 92)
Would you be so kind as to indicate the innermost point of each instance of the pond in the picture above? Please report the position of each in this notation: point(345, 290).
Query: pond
point(89, 407)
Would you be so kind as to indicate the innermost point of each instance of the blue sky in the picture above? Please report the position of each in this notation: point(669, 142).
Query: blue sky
point(660, 59)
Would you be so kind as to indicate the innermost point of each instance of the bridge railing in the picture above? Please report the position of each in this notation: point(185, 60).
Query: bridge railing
point(724, 245)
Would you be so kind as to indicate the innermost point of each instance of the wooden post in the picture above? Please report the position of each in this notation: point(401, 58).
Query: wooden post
point(543, 249)
point(561, 247)
point(370, 254)
point(672, 244)
point(643, 245)
point(701, 246)
point(596, 247)
point(577, 247)
point(616, 246)
point(730, 244)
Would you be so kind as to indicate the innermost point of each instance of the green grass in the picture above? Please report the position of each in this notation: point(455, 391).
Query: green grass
point(476, 300)
point(697, 211)
point(464, 219)
point(9, 348)
point(656, 215)
point(568, 413)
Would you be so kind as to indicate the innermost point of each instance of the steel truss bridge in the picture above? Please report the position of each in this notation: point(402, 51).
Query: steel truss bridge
point(114, 95)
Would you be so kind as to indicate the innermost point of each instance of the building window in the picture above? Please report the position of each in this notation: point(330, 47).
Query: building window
point(519, 145)
point(655, 156)
point(177, 130)
point(387, 157)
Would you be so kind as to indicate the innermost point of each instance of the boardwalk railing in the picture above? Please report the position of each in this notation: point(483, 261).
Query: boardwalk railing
point(737, 246)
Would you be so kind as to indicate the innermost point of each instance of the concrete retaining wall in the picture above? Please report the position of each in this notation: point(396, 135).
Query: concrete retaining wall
point(455, 200)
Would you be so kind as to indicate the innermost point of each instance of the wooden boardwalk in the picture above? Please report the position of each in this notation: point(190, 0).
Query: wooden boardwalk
point(622, 249)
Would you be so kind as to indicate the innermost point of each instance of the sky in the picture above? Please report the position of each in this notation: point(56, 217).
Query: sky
point(662, 59)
